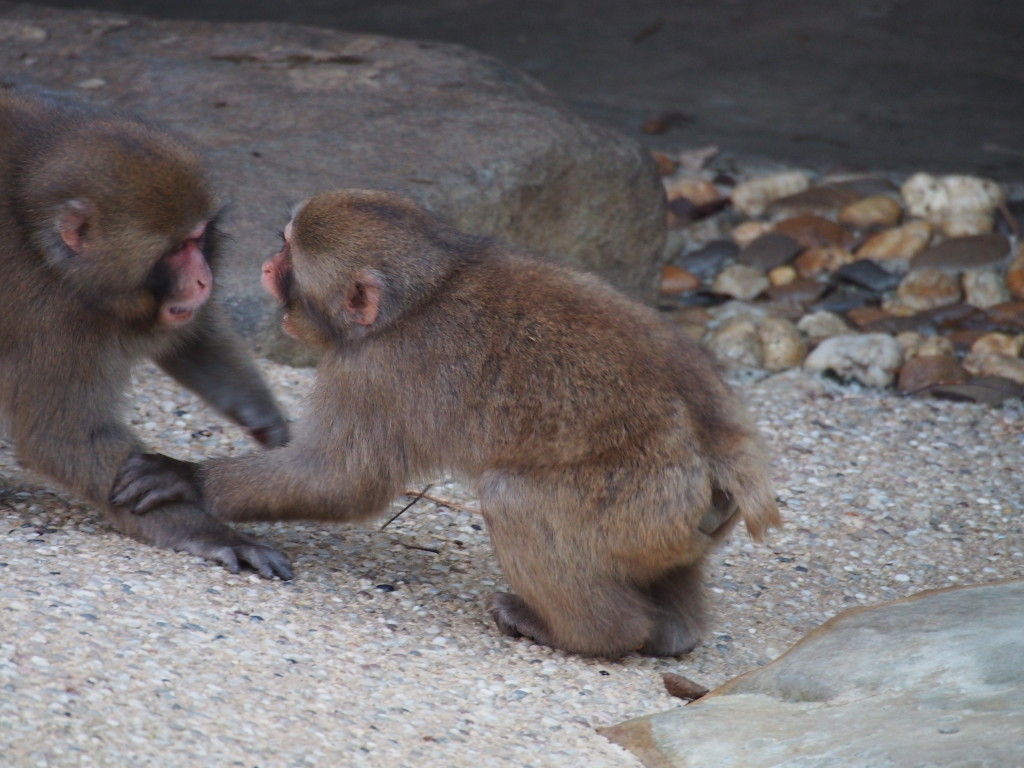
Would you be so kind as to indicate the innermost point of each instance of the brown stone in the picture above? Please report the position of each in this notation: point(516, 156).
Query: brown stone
point(811, 231)
point(999, 344)
point(814, 261)
point(682, 687)
point(954, 316)
point(899, 244)
point(863, 316)
point(782, 275)
point(928, 288)
point(1015, 283)
point(925, 371)
point(666, 165)
point(747, 232)
point(1006, 317)
point(821, 199)
point(677, 280)
point(877, 211)
point(1015, 275)
point(960, 253)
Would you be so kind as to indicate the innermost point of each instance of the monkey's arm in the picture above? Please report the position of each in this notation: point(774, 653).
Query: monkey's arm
point(294, 482)
point(286, 483)
point(213, 364)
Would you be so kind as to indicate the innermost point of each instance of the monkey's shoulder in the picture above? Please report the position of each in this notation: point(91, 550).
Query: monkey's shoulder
point(564, 301)
point(552, 321)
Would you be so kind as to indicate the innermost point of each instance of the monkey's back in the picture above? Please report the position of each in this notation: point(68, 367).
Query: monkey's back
point(568, 369)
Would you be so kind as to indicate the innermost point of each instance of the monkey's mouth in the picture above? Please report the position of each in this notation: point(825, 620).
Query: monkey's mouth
point(177, 315)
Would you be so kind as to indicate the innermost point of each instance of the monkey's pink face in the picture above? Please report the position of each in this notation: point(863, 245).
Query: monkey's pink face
point(191, 279)
point(277, 270)
point(177, 285)
point(277, 277)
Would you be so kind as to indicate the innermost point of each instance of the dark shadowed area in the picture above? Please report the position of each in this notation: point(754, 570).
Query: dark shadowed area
point(896, 85)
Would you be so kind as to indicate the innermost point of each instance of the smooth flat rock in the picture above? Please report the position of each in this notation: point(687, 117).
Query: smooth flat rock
point(287, 111)
point(936, 679)
point(960, 253)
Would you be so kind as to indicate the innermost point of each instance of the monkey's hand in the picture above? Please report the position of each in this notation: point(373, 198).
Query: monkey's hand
point(262, 420)
point(149, 480)
point(271, 436)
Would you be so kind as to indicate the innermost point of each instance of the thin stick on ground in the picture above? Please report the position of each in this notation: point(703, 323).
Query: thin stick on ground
point(402, 510)
point(450, 503)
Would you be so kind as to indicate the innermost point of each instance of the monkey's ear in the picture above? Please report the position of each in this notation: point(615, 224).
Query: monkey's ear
point(73, 225)
point(362, 301)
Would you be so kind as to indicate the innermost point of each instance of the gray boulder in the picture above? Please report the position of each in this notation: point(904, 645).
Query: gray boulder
point(936, 679)
point(287, 111)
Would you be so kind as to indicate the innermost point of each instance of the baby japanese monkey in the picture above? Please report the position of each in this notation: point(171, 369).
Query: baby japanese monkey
point(609, 456)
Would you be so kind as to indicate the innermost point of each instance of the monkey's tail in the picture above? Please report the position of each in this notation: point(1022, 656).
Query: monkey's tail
point(742, 483)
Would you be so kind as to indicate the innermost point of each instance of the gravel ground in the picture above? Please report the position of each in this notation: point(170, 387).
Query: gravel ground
point(380, 652)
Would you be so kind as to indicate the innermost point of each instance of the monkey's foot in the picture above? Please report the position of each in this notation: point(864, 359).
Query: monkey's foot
point(262, 558)
point(670, 641)
point(189, 528)
point(517, 619)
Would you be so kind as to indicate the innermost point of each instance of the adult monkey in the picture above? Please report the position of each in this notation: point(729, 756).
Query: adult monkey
point(107, 234)
point(609, 455)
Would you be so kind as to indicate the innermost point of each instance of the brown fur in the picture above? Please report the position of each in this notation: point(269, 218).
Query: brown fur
point(92, 207)
point(609, 456)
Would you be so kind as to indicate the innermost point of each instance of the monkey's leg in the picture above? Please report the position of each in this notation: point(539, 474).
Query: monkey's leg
point(568, 594)
point(679, 621)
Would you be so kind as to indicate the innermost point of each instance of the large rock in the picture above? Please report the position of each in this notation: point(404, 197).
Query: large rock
point(287, 111)
point(936, 679)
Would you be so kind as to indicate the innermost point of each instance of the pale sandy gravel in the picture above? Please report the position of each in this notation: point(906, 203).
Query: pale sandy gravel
point(117, 654)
